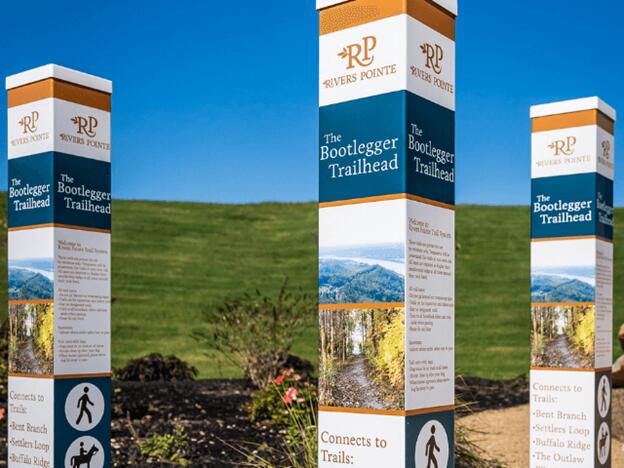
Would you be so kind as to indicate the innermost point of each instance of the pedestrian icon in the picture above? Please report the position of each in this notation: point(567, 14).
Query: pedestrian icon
point(85, 452)
point(84, 407)
point(604, 396)
point(432, 446)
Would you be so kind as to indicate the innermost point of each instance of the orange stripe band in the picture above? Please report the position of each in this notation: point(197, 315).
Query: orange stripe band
point(63, 226)
point(359, 12)
point(562, 304)
point(60, 377)
point(573, 119)
point(33, 301)
point(363, 305)
point(572, 369)
point(397, 196)
point(550, 239)
point(403, 413)
point(55, 88)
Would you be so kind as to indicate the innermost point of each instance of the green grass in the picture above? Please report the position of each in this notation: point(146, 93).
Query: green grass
point(173, 261)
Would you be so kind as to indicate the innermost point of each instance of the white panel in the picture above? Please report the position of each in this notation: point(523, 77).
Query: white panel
point(31, 128)
point(392, 54)
point(31, 427)
point(606, 153)
point(363, 61)
point(320, 4)
point(358, 434)
point(449, 5)
point(604, 304)
point(562, 419)
point(429, 315)
point(573, 105)
point(62, 73)
point(430, 64)
point(564, 152)
point(82, 131)
point(57, 125)
point(82, 302)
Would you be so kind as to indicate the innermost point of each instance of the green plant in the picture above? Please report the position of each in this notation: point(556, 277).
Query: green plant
point(293, 404)
point(275, 403)
point(166, 448)
point(256, 332)
point(156, 368)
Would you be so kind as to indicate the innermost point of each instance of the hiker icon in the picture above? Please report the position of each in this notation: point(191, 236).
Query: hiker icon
point(604, 396)
point(432, 446)
point(85, 452)
point(84, 407)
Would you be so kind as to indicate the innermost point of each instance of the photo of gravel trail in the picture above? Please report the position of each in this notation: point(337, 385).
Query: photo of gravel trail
point(355, 388)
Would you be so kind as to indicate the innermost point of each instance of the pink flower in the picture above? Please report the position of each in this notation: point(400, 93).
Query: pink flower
point(2, 413)
point(279, 380)
point(291, 395)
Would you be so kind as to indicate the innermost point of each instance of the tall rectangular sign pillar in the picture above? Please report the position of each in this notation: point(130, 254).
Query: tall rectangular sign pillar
point(571, 283)
point(59, 143)
point(386, 233)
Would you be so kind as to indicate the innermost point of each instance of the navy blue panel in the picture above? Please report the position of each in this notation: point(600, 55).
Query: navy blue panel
point(65, 434)
point(420, 426)
point(430, 150)
point(572, 205)
point(30, 190)
point(82, 191)
point(362, 148)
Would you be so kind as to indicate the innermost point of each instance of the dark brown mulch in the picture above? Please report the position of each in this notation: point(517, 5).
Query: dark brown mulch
point(213, 413)
point(478, 394)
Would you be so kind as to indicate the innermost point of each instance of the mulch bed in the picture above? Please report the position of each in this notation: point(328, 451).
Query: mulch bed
point(213, 413)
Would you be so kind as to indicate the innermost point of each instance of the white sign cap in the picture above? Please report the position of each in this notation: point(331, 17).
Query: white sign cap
point(449, 5)
point(61, 73)
point(574, 105)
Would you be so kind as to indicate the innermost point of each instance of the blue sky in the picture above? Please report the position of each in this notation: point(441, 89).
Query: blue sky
point(217, 101)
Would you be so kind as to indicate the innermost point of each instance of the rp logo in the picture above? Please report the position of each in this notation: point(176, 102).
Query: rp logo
point(359, 53)
point(86, 125)
point(563, 147)
point(606, 149)
point(434, 55)
point(29, 122)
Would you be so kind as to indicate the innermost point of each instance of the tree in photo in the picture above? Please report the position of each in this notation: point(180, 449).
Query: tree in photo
point(362, 358)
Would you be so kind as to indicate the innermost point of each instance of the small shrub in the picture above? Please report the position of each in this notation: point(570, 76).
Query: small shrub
point(256, 332)
point(289, 402)
point(275, 403)
point(166, 448)
point(156, 368)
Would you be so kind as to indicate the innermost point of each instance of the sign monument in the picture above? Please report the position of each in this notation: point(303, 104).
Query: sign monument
point(59, 199)
point(571, 283)
point(387, 233)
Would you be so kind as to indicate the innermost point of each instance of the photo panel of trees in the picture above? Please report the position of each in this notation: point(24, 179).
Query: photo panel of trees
point(563, 336)
point(362, 358)
point(31, 338)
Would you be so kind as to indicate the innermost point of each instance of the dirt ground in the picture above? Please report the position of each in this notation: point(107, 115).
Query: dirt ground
point(503, 433)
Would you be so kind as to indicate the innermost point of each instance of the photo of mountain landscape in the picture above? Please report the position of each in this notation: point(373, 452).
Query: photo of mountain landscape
point(572, 284)
point(362, 260)
point(371, 273)
point(554, 279)
point(31, 279)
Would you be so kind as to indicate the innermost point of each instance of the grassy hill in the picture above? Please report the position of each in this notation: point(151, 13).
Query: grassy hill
point(173, 261)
